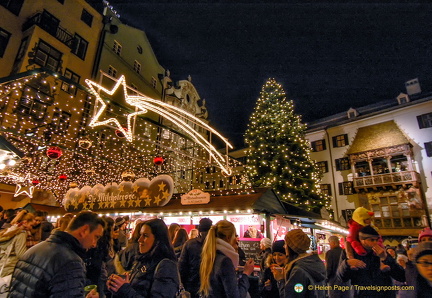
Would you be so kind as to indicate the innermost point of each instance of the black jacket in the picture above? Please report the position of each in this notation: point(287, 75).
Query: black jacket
point(53, 268)
point(189, 264)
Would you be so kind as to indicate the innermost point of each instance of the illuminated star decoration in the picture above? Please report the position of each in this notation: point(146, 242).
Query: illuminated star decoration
point(24, 187)
point(128, 133)
point(178, 116)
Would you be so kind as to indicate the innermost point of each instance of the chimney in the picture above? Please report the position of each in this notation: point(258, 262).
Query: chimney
point(413, 86)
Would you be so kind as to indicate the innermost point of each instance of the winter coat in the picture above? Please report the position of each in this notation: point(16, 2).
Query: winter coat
point(17, 247)
point(52, 268)
point(307, 270)
point(150, 278)
point(263, 258)
point(189, 264)
point(371, 275)
point(223, 279)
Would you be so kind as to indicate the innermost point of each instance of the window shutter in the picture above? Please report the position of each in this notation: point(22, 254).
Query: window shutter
point(346, 139)
point(334, 142)
point(428, 147)
point(341, 192)
point(324, 144)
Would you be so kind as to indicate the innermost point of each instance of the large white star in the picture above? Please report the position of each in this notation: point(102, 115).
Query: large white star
point(128, 133)
point(23, 187)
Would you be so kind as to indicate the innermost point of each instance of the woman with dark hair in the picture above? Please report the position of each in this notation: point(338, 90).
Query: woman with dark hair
point(127, 255)
point(155, 273)
point(179, 240)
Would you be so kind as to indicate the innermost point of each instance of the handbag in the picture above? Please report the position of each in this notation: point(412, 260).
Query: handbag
point(6, 280)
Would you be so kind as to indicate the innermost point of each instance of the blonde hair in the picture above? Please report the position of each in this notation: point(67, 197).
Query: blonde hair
point(224, 230)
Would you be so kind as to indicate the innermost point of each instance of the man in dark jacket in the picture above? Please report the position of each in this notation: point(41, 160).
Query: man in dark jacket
point(332, 258)
point(190, 259)
point(367, 279)
point(54, 268)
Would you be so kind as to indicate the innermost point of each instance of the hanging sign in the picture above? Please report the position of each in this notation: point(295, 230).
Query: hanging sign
point(195, 196)
point(126, 195)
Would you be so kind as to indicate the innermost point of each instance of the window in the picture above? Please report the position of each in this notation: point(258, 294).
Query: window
point(4, 40)
point(60, 121)
point(390, 212)
point(61, 1)
point(340, 140)
point(154, 82)
point(112, 71)
point(428, 147)
point(425, 120)
point(14, 6)
point(34, 103)
point(117, 48)
point(47, 56)
point(322, 166)
point(342, 164)
point(326, 189)
point(80, 46)
point(86, 17)
point(318, 145)
point(345, 188)
point(137, 66)
point(139, 49)
point(69, 87)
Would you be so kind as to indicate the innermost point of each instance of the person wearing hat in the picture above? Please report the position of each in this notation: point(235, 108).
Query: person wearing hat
point(190, 258)
point(364, 270)
point(276, 259)
point(423, 262)
point(411, 272)
point(265, 247)
point(305, 274)
point(425, 235)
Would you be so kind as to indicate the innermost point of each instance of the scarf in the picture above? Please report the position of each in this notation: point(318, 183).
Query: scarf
point(228, 250)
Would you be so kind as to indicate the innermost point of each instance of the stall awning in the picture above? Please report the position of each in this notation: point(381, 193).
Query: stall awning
point(52, 210)
point(295, 211)
point(262, 200)
point(381, 135)
point(7, 146)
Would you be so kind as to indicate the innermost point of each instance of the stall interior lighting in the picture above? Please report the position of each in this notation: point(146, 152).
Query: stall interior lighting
point(333, 227)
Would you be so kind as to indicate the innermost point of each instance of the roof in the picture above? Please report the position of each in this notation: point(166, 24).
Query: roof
point(52, 210)
point(7, 146)
point(299, 212)
point(263, 200)
point(365, 112)
point(376, 136)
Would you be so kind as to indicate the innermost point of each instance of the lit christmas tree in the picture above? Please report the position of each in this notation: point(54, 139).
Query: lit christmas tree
point(278, 154)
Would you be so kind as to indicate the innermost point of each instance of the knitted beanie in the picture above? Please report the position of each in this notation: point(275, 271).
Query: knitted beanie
point(297, 240)
point(266, 242)
point(368, 232)
point(278, 246)
point(424, 248)
point(425, 232)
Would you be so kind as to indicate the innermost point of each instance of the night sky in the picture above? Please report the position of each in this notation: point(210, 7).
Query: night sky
point(328, 57)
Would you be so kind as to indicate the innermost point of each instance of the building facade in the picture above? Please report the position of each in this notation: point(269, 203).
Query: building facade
point(379, 157)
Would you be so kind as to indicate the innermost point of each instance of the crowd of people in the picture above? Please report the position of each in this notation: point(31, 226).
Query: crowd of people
point(89, 255)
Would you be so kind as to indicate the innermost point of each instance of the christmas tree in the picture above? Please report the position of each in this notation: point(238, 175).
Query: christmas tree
point(278, 153)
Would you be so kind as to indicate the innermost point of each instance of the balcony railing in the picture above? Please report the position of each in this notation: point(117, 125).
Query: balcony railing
point(388, 179)
point(45, 22)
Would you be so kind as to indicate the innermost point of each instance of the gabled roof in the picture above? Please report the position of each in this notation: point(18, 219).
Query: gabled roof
point(376, 136)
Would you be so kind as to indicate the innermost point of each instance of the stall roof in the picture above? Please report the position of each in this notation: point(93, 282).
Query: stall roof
point(295, 211)
point(52, 210)
point(263, 200)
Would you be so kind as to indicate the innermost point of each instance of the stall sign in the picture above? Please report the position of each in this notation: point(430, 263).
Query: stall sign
point(251, 249)
point(126, 195)
point(184, 220)
point(214, 219)
point(244, 219)
point(195, 196)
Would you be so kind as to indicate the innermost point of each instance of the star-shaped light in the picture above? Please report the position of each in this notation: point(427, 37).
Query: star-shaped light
point(183, 119)
point(24, 187)
point(95, 120)
point(161, 186)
